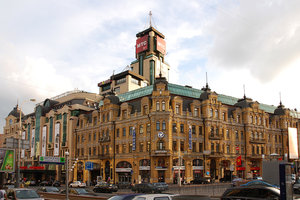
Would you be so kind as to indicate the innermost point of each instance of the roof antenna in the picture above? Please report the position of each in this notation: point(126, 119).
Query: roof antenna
point(150, 15)
point(160, 67)
point(244, 92)
point(280, 103)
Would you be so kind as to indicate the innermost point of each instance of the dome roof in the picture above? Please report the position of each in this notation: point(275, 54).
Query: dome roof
point(15, 112)
point(280, 110)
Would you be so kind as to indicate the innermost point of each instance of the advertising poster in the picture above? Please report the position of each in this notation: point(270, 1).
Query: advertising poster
point(22, 153)
point(7, 160)
point(44, 136)
point(141, 44)
point(56, 139)
point(161, 45)
point(293, 143)
point(32, 144)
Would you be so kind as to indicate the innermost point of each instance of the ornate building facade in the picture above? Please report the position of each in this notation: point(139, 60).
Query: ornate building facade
point(141, 128)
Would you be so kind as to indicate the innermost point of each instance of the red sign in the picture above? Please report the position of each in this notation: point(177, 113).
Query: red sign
point(240, 168)
point(254, 168)
point(161, 45)
point(239, 160)
point(33, 167)
point(237, 148)
point(141, 44)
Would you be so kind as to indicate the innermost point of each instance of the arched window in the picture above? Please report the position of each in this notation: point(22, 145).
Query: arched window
point(163, 125)
point(196, 112)
point(177, 109)
point(157, 106)
point(163, 105)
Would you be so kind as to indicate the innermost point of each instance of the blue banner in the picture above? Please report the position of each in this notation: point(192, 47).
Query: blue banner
point(133, 139)
point(190, 137)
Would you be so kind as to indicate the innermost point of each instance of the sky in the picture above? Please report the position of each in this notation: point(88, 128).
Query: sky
point(51, 47)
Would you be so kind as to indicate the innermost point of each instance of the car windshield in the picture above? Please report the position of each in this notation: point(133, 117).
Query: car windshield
point(52, 189)
point(26, 194)
point(81, 191)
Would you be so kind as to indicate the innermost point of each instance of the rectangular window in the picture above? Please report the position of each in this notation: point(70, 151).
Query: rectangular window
point(174, 147)
point(123, 148)
point(194, 146)
point(174, 129)
point(130, 148)
point(148, 128)
point(228, 149)
point(95, 121)
point(196, 112)
point(236, 135)
point(217, 147)
point(227, 134)
point(121, 80)
point(130, 130)
point(181, 145)
point(157, 125)
point(212, 147)
point(193, 129)
point(135, 81)
point(200, 130)
point(201, 147)
point(148, 146)
point(141, 147)
point(124, 131)
point(107, 149)
point(181, 128)
point(117, 149)
point(118, 132)
point(141, 129)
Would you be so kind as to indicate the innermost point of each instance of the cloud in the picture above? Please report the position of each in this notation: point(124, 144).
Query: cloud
point(262, 37)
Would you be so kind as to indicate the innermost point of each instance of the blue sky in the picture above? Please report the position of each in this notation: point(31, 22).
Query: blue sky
point(50, 47)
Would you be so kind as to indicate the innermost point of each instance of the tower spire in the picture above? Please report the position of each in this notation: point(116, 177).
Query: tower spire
point(206, 80)
point(280, 103)
point(150, 16)
point(244, 92)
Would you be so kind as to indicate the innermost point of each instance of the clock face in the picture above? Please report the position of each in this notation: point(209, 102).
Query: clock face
point(161, 134)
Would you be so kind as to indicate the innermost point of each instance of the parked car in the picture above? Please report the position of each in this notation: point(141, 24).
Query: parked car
point(190, 197)
point(146, 188)
point(45, 183)
point(201, 180)
point(259, 182)
point(79, 191)
point(105, 187)
point(56, 183)
point(49, 189)
point(30, 183)
point(249, 193)
point(296, 186)
point(77, 184)
point(124, 185)
point(23, 193)
point(123, 197)
point(162, 186)
point(153, 197)
point(238, 181)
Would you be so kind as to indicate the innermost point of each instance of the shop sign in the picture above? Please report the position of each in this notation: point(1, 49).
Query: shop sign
point(190, 137)
point(254, 168)
point(52, 160)
point(161, 151)
point(144, 167)
point(197, 171)
point(160, 168)
point(177, 167)
point(198, 167)
point(123, 169)
point(240, 168)
point(32, 167)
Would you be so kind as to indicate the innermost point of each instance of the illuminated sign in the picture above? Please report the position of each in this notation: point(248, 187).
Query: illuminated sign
point(104, 82)
point(160, 45)
point(141, 44)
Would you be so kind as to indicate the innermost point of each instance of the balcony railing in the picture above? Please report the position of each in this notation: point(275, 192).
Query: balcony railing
point(257, 140)
point(216, 136)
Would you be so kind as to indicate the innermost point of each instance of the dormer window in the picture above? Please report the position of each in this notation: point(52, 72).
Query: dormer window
point(196, 112)
point(177, 109)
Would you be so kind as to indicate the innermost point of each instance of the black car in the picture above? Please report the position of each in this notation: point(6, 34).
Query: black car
point(146, 188)
point(105, 187)
point(49, 189)
point(162, 186)
point(56, 183)
point(200, 180)
point(123, 197)
point(251, 193)
point(79, 191)
point(45, 183)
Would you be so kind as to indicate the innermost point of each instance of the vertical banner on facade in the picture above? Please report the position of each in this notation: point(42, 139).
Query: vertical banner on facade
point(32, 143)
point(22, 153)
point(133, 139)
point(23, 135)
point(7, 160)
point(190, 137)
point(56, 139)
point(44, 136)
point(293, 143)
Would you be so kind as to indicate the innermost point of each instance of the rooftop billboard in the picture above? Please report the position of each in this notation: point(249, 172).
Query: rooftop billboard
point(141, 44)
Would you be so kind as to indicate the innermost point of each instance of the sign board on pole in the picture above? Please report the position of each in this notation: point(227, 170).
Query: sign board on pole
point(7, 160)
point(52, 160)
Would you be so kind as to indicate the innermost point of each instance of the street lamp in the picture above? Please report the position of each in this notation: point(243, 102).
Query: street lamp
point(19, 142)
point(67, 175)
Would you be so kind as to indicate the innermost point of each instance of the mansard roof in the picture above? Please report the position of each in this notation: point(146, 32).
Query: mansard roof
point(192, 93)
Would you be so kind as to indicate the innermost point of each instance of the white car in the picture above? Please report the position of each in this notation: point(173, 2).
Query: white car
point(78, 184)
point(154, 197)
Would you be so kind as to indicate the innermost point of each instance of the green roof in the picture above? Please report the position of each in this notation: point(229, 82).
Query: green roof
point(193, 93)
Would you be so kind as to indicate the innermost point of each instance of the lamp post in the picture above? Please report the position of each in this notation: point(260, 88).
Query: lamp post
point(67, 175)
point(19, 142)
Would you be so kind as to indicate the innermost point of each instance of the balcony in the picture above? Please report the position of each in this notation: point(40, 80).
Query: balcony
point(257, 140)
point(104, 139)
point(215, 137)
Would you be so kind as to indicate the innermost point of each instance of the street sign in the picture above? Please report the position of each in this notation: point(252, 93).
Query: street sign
point(89, 166)
point(52, 160)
